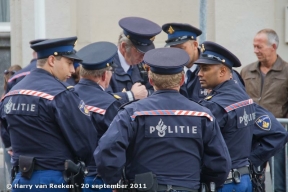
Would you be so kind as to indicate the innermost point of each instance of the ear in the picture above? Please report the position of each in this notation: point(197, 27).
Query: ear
point(123, 48)
point(195, 43)
point(51, 60)
point(223, 70)
point(274, 46)
point(104, 76)
point(182, 79)
point(150, 80)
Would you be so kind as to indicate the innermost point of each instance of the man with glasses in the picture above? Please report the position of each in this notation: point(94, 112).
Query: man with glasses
point(136, 38)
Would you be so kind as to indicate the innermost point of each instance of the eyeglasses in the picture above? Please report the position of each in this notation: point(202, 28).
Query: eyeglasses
point(6, 72)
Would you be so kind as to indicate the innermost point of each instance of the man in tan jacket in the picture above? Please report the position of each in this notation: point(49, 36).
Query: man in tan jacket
point(266, 82)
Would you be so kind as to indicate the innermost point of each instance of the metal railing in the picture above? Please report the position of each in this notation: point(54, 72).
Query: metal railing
point(284, 122)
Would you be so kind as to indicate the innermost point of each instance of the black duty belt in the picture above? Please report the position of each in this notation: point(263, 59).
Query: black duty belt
point(172, 187)
point(235, 174)
point(36, 168)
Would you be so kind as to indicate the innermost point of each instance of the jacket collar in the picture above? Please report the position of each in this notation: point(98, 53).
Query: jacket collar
point(277, 66)
point(165, 91)
point(118, 70)
point(89, 83)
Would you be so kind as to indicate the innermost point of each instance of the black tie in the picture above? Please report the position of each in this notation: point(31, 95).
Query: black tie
point(129, 72)
point(189, 75)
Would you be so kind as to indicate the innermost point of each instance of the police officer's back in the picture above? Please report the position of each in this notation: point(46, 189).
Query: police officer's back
point(47, 121)
point(96, 71)
point(166, 134)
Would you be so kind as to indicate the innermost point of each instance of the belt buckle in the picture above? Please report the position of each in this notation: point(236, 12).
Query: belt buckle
point(236, 176)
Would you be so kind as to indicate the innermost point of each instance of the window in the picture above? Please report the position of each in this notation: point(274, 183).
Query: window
point(4, 11)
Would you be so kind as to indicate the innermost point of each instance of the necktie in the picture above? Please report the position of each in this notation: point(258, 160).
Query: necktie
point(189, 75)
point(129, 72)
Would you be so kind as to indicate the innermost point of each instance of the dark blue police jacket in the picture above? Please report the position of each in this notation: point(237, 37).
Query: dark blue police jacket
point(19, 75)
point(269, 136)
point(47, 120)
point(121, 81)
point(169, 135)
point(193, 90)
point(103, 107)
point(235, 114)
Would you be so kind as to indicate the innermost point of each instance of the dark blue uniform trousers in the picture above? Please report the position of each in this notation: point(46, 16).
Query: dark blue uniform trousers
point(244, 186)
point(91, 185)
point(41, 181)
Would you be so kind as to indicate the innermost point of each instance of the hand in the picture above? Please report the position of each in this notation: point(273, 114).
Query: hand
point(10, 152)
point(139, 91)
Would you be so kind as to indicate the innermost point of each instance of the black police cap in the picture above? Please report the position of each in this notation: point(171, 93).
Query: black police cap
point(37, 41)
point(140, 31)
point(97, 55)
point(213, 53)
point(57, 47)
point(179, 33)
point(166, 61)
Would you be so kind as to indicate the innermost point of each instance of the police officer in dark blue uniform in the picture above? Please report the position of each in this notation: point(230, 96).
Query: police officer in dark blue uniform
point(237, 116)
point(19, 75)
point(96, 71)
point(136, 39)
point(184, 36)
point(165, 135)
point(47, 122)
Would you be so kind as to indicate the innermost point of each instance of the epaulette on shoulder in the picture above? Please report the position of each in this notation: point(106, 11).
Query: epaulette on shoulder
point(125, 104)
point(115, 96)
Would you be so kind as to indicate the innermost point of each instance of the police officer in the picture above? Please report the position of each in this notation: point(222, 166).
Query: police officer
point(136, 39)
point(46, 120)
point(236, 115)
point(19, 75)
point(96, 71)
point(184, 36)
point(165, 135)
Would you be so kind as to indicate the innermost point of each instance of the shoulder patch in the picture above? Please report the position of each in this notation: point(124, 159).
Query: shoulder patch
point(264, 122)
point(116, 96)
point(69, 87)
point(208, 97)
point(83, 108)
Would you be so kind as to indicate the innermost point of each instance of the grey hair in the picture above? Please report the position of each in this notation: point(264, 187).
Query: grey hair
point(92, 73)
point(272, 36)
point(123, 39)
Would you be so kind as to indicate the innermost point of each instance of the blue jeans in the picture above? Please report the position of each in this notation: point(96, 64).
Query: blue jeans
point(279, 171)
point(41, 181)
point(244, 186)
point(91, 185)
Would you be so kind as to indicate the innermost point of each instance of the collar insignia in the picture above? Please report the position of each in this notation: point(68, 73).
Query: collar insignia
point(208, 97)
